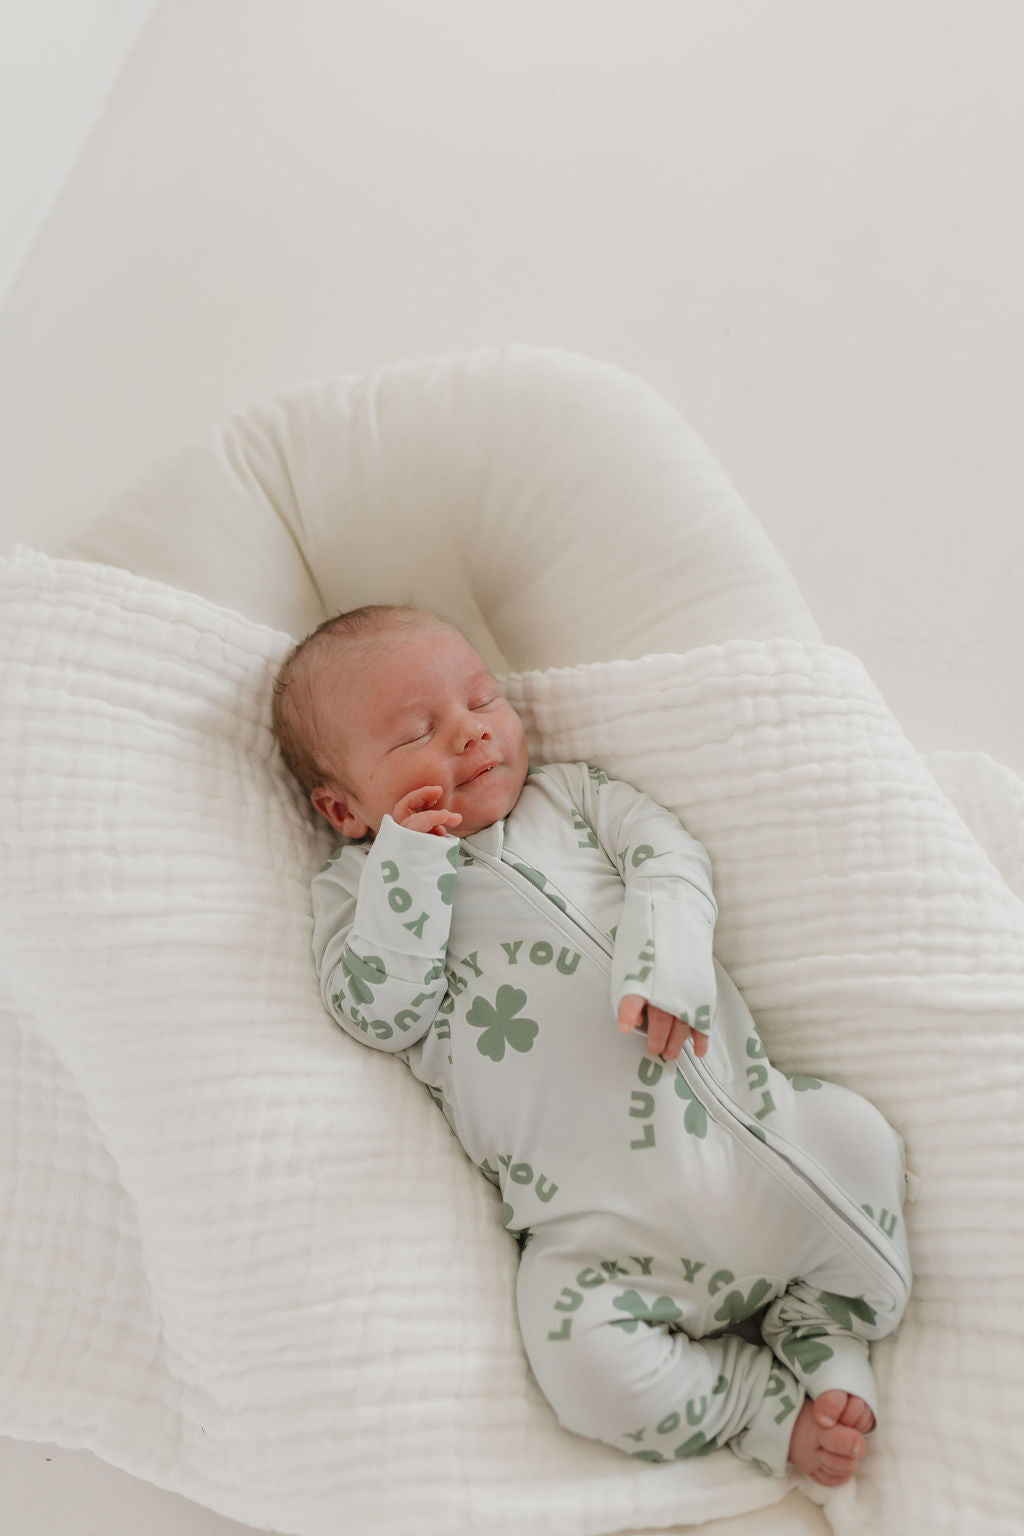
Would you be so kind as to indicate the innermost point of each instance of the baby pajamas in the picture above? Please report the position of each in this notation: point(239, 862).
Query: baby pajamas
point(658, 1205)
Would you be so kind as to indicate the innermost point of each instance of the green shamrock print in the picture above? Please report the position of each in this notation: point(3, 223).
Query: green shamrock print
point(843, 1309)
point(446, 883)
point(695, 1119)
point(802, 1083)
point(806, 1349)
point(663, 1310)
point(736, 1306)
point(362, 972)
point(500, 1025)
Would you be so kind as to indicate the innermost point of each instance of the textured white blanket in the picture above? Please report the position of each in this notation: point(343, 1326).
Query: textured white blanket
point(245, 1259)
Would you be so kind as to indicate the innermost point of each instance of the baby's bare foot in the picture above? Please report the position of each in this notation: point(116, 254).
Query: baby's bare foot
point(828, 1437)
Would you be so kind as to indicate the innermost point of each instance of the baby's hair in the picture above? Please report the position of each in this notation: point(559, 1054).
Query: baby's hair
point(293, 714)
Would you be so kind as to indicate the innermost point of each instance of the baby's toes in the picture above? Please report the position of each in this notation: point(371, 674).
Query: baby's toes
point(839, 1453)
point(842, 1443)
point(830, 1407)
point(833, 1479)
point(839, 1467)
point(858, 1415)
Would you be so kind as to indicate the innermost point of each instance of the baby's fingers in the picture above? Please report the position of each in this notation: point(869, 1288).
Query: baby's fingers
point(661, 1033)
point(416, 800)
point(678, 1036)
point(419, 811)
point(666, 1034)
point(700, 1042)
point(437, 822)
point(631, 1012)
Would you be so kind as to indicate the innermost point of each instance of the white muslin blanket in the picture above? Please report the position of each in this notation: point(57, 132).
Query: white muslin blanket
point(244, 1258)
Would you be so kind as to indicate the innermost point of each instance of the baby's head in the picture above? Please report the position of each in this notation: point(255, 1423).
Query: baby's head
point(380, 701)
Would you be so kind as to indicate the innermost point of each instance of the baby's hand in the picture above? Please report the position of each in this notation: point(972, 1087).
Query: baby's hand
point(666, 1035)
point(420, 811)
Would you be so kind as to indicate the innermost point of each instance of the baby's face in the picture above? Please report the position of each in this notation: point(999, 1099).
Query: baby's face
point(422, 710)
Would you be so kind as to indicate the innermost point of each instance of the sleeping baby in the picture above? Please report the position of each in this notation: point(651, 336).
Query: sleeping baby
point(708, 1245)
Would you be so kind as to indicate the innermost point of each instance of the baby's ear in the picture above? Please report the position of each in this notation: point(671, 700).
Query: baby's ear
point(339, 812)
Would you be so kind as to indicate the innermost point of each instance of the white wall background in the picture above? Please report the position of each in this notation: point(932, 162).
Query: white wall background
point(802, 219)
point(58, 63)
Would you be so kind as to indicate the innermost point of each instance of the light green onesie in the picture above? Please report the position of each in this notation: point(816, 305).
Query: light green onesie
point(658, 1205)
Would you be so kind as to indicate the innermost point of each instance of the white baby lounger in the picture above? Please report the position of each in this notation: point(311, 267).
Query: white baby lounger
point(244, 1257)
point(555, 509)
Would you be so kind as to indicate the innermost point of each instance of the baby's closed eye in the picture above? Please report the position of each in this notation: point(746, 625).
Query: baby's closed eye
point(416, 734)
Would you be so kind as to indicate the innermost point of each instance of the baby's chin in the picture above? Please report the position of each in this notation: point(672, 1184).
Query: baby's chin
point(487, 799)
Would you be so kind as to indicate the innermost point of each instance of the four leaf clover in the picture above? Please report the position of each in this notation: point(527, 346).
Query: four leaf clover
point(500, 1024)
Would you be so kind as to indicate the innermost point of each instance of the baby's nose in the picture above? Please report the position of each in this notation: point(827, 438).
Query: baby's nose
point(471, 731)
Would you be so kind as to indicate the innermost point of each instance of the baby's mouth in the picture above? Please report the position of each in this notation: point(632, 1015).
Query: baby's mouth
point(480, 773)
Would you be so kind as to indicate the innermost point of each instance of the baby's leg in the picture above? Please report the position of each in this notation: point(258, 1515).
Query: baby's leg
point(605, 1356)
point(822, 1325)
point(823, 1337)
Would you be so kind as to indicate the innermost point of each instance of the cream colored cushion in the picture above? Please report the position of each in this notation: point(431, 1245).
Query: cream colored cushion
point(558, 510)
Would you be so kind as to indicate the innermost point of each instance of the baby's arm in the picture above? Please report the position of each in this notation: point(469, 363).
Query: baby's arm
point(381, 919)
point(663, 973)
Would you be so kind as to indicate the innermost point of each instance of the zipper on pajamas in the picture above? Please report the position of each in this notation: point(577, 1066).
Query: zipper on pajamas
point(839, 1210)
point(575, 926)
point(821, 1186)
